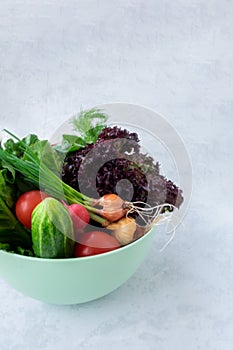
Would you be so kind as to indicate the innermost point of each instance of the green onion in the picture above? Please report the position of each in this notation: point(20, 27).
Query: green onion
point(35, 171)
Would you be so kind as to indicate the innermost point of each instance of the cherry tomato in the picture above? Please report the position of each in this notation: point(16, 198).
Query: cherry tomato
point(79, 215)
point(25, 205)
point(95, 242)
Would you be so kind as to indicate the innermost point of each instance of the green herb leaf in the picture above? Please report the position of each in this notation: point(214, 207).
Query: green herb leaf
point(16, 249)
point(23, 185)
point(89, 123)
point(7, 188)
point(15, 147)
point(93, 133)
point(5, 246)
point(11, 231)
point(35, 171)
point(45, 152)
point(30, 139)
point(22, 251)
point(70, 143)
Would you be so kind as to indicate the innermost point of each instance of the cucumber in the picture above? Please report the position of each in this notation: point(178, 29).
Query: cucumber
point(52, 230)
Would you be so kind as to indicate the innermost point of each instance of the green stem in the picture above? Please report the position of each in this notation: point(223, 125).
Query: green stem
point(99, 219)
point(43, 178)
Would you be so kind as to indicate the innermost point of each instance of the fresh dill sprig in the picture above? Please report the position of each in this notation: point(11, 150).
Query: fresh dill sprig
point(89, 123)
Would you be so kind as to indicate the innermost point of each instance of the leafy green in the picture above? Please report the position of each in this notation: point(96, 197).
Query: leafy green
point(31, 163)
point(70, 143)
point(22, 251)
point(93, 133)
point(19, 250)
point(89, 123)
point(5, 246)
point(23, 184)
point(30, 139)
point(41, 148)
point(11, 231)
point(45, 152)
point(7, 188)
point(36, 172)
point(15, 148)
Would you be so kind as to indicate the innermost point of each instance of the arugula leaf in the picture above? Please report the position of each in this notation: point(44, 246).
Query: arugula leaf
point(89, 123)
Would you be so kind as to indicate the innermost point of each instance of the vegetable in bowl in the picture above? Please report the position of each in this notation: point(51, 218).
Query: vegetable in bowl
point(103, 202)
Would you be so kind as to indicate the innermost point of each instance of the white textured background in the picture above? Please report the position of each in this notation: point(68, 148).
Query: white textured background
point(175, 57)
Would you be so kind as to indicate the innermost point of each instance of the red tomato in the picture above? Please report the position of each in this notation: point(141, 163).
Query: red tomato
point(79, 215)
point(95, 242)
point(26, 204)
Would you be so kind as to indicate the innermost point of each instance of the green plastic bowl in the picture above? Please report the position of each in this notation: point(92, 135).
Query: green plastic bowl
point(75, 280)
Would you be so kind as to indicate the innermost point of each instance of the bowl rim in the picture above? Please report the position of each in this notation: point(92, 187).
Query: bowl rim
point(85, 258)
